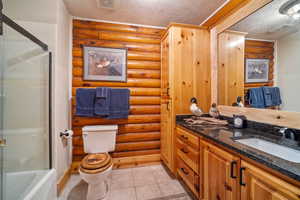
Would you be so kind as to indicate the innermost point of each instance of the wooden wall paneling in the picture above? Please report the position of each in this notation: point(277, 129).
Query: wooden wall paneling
point(275, 117)
point(230, 66)
point(227, 19)
point(139, 135)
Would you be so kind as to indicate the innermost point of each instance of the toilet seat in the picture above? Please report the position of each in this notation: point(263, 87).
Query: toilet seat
point(95, 163)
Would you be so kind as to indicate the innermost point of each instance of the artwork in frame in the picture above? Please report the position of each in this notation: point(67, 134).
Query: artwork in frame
point(105, 64)
point(257, 70)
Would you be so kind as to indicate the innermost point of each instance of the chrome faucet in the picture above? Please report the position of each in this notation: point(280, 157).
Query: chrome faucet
point(285, 132)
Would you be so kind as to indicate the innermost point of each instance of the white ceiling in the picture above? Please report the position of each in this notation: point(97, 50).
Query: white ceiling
point(267, 23)
point(147, 12)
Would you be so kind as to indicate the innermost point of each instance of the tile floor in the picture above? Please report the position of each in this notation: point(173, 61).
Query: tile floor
point(142, 183)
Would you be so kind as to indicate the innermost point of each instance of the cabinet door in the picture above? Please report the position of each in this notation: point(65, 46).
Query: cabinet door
point(220, 171)
point(259, 184)
point(166, 133)
point(165, 83)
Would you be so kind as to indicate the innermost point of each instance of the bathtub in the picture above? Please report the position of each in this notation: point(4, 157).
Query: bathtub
point(30, 185)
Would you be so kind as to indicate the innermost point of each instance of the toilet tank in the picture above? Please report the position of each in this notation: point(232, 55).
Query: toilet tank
point(99, 139)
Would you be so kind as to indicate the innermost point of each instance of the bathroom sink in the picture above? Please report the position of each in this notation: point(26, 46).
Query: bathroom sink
point(280, 151)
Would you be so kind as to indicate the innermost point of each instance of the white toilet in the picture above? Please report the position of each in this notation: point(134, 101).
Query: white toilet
point(97, 165)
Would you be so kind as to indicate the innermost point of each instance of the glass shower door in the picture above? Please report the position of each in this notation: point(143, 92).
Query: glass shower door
point(24, 112)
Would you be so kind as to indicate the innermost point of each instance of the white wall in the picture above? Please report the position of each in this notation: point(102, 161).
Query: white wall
point(61, 120)
point(288, 71)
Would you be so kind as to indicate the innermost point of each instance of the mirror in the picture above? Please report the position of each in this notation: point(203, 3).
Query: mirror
point(259, 59)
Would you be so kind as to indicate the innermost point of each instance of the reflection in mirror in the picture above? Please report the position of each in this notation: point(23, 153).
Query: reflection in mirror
point(259, 60)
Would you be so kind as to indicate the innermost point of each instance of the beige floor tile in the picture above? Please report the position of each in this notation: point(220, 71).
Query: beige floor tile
point(171, 188)
point(161, 176)
point(116, 172)
point(147, 192)
point(122, 181)
point(123, 194)
point(143, 178)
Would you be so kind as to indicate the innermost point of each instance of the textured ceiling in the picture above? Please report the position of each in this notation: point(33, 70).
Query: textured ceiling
point(267, 23)
point(147, 12)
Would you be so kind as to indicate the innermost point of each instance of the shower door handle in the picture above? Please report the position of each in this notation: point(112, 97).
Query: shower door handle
point(3, 143)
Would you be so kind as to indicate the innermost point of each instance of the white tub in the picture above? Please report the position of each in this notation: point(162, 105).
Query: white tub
point(31, 185)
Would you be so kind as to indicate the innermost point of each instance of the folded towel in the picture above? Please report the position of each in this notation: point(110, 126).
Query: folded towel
point(119, 104)
point(276, 97)
point(267, 91)
point(85, 101)
point(102, 101)
point(102, 92)
point(256, 98)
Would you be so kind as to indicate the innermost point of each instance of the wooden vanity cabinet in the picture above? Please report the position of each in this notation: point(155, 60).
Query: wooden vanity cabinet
point(187, 153)
point(259, 184)
point(220, 174)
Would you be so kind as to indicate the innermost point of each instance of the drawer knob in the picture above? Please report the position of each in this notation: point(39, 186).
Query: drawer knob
point(184, 150)
point(184, 171)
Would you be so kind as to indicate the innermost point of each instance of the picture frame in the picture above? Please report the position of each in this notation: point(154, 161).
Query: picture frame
point(105, 64)
point(257, 70)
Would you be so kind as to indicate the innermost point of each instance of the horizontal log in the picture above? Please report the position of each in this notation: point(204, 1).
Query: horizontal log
point(132, 46)
point(132, 119)
point(133, 91)
point(128, 37)
point(139, 64)
point(138, 137)
point(131, 64)
point(260, 50)
point(134, 146)
point(259, 56)
point(127, 128)
point(131, 73)
point(136, 100)
point(124, 138)
point(85, 34)
point(137, 109)
point(121, 147)
point(148, 83)
point(131, 55)
point(258, 43)
point(135, 153)
point(116, 27)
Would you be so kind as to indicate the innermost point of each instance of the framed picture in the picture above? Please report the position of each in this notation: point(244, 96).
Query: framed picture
point(257, 70)
point(105, 64)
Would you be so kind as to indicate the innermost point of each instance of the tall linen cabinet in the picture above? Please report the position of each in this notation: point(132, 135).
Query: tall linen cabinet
point(185, 73)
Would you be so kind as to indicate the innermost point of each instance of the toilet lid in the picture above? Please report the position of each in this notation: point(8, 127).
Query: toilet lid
point(96, 161)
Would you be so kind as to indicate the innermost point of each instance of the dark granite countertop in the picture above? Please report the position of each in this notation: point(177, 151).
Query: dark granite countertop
point(227, 135)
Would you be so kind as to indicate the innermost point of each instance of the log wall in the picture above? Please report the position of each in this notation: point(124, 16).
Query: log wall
point(260, 50)
point(139, 135)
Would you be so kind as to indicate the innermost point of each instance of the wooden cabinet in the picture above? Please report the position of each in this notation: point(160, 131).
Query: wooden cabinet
point(187, 152)
point(231, 54)
point(259, 184)
point(220, 171)
point(185, 73)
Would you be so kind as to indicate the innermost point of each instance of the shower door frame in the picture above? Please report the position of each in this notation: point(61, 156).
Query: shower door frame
point(9, 22)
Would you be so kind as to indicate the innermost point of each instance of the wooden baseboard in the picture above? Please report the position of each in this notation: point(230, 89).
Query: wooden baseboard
point(63, 181)
point(127, 162)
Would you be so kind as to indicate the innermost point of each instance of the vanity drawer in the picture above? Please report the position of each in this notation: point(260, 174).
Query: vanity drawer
point(189, 155)
point(188, 138)
point(188, 176)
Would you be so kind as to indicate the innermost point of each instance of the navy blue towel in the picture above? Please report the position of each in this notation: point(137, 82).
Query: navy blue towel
point(85, 101)
point(276, 97)
point(119, 104)
point(256, 98)
point(267, 91)
point(102, 102)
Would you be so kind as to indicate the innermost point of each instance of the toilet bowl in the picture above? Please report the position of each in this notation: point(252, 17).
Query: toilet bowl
point(95, 168)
